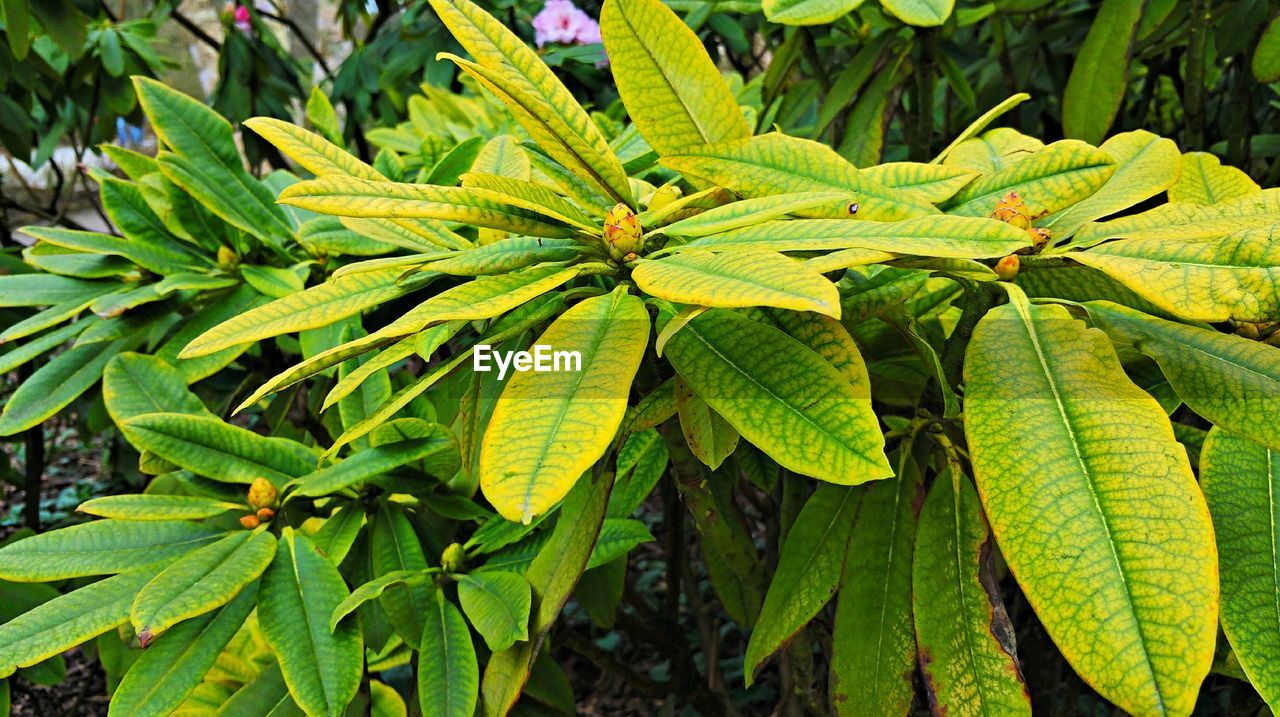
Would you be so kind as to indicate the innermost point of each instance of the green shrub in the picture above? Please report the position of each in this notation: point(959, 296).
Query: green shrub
point(1054, 335)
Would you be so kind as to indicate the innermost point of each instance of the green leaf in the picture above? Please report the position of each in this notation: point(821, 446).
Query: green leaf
point(68, 620)
point(1231, 381)
point(497, 604)
point(617, 537)
point(48, 289)
point(710, 438)
point(272, 281)
point(240, 301)
point(536, 97)
point(395, 548)
point(1136, 617)
point(299, 592)
point(874, 642)
point(173, 666)
point(507, 255)
point(1100, 75)
point(548, 427)
point(528, 195)
point(213, 449)
point(976, 128)
point(186, 125)
point(152, 507)
point(921, 13)
point(1054, 178)
point(448, 674)
point(781, 396)
point(807, 12)
point(313, 152)
point(1146, 165)
point(137, 384)
point(318, 306)
point(967, 653)
point(17, 23)
point(672, 90)
point(808, 572)
point(373, 462)
point(56, 384)
point(775, 163)
point(737, 279)
point(503, 156)
point(321, 115)
point(374, 589)
point(1266, 56)
point(1204, 180)
point(939, 236)
point(204, 580)
point(101, 547)
point(1235, 277)
point(351, 197)
point(1240, 480)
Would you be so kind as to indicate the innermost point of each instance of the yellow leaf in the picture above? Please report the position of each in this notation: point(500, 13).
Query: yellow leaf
point(1204, 180)
point(1094, 506)
point(671, 88)
point(1054, 178)
point(315, 153)
point(737, 279)
point(549, 427)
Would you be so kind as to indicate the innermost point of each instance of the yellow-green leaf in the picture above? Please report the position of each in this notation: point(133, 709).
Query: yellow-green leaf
point(154, 506)
point(778, 164)
point(1136, 616)
point(1241, 480)
point(976, 127)
point(747, 212)
point(529, 195)
point(1054, 178)
point(1236, 277)
point(1231, 381)
point(503, 156)
point(549, 427)
point(448, 673)
point(100, 547)
point(299, 592)
point(734, 279)
point(351, 197)
point(922, 13)
point(780, 395)
point(318, 306)
point(938, 236)
point(711, 439)
point(213, 449)
point(671, 88)
point(1189, 222)
point(203, 580)
point(1205, 180)
point(1146, 165)
point(173, 667)
point(68, 620)
point(537, 98)
point(313, 152)
point(966, 640)
point(807, 12)
point(497, 603)
point(1266, 56)
point(932, 183)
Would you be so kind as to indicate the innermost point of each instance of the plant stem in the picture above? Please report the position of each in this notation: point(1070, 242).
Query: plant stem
point(1193, 97)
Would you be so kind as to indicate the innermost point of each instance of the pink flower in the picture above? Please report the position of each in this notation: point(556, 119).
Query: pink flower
point(561, 21)
point(242, 19)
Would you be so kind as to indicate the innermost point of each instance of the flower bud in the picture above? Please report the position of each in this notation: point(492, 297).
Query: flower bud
point(1249, 331)
point(663, 196)
point(1011, 209)
point(266, 514)
point(453, 559)
point(262, 494)
point(250, 521)
point(1007, 268)
point(1039, 237)
point(226, 258)
point(622, 232)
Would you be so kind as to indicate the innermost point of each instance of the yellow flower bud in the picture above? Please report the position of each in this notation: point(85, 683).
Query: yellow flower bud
point(622, 232)
point(250, 521)
point(1011, 209)
point(226, 258)
point(663, 196)
point(266, 514)
point(1007, 268)
point(262, 494)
